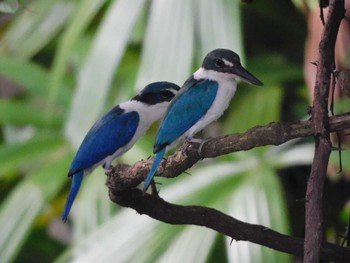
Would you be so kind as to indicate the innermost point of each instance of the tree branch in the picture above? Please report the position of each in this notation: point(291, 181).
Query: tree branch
point(314, 192)
point(123, 178)
point(159, 209)
point(126, 176)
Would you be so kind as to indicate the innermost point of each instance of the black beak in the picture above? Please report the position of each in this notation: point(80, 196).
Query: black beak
point(244, 75)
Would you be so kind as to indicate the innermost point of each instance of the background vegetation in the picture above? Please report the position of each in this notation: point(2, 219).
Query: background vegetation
point(64, 63)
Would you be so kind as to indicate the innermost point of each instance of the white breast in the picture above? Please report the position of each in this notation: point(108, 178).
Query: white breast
point(148, 115)
point(226, 90)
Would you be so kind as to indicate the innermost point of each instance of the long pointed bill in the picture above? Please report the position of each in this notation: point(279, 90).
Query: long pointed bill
point(244, 75)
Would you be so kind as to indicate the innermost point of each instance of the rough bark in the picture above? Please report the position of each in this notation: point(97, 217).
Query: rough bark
point(123, 178)
point(323, 145)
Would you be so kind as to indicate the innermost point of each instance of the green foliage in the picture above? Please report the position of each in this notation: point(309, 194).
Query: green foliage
point(8, 6)
point(75, 59)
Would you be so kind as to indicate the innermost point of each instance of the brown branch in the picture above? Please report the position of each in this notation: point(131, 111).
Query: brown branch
point(125, 176)
point(314, 192)
point(159, 209)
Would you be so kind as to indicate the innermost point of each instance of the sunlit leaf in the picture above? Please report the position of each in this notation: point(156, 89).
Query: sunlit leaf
point(97, 73)
point(193, 245)
point(39, 21)
point(81, 17)
point(26, 201)
point(168, 46)
point(93, 207)
point(21, 207)
point(254, 202)
point(219, 25)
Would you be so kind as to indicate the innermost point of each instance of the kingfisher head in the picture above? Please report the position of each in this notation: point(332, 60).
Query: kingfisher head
point(157, 92)
point(228, 62)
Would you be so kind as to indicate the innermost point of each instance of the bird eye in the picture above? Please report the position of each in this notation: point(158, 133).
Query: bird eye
point(220, 63)
point(166, 94)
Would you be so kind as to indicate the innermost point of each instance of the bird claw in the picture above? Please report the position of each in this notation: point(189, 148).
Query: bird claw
point(108, 169)
point(201, 142)
point(154, 189)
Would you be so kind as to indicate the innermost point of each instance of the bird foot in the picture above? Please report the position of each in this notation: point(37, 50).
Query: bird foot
point(108, 169)
point(154, 189)
point(201, 142)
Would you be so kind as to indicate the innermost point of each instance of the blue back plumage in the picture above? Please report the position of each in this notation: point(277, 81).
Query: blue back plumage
point(114, 130)
point(191, 104)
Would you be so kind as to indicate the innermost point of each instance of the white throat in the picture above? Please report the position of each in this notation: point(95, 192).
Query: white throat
point(148, 113)
point(209, 74)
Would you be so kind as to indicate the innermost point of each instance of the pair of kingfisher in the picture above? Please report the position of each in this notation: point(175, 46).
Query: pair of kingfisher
point(202, 99)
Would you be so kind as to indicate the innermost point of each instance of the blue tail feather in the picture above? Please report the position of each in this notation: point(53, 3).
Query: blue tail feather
point(76, 182)
point(156, 162)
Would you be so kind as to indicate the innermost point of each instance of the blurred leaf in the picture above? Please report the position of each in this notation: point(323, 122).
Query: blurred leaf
point(168, 45)
point(278, 70)
point(21, 207)
point(26, 201)
point(35, 78)
point(345, 158)
point(290, 154)
point(40, 245)
point(21, 113)
point(192, 245)
point(8, 6)
point(219, 25)
point(39, 21)
point(254, 202)
point(16, 156)
point(341, 105)
point(97, 73)
point(81, 17)
point(305, 5)
point(125, 240)
point(258, 105)
point(53, 175)
point(93, 207)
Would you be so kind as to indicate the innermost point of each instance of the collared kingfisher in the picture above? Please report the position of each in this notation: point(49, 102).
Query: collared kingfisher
point(202, 99)
point(117, 131)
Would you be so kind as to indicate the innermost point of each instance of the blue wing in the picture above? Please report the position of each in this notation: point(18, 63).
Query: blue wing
point(111, 132)
point(188, 107)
